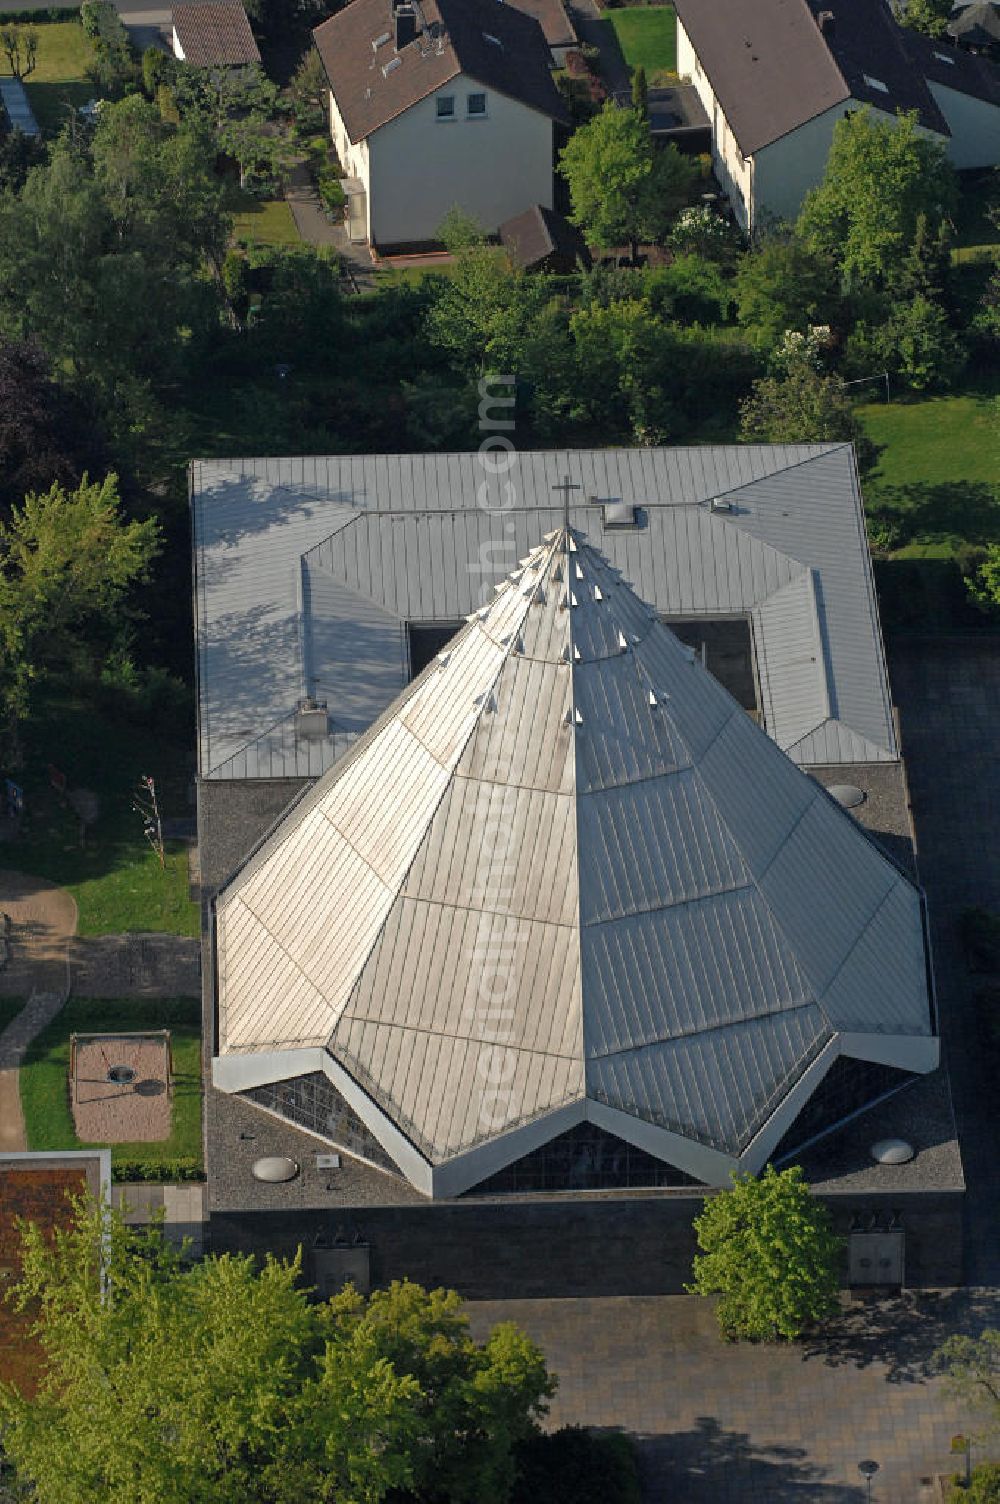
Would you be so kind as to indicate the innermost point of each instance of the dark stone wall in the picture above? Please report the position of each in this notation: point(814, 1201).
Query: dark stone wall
point(560, 1247)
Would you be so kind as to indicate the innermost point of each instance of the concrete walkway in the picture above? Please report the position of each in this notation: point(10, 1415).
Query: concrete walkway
point(314, 227)
point(43, 922)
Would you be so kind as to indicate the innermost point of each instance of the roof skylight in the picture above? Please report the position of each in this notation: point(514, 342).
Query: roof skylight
point(875, 83)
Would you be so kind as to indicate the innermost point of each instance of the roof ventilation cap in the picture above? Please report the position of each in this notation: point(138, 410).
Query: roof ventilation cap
point(892, 1151)
point(273, 1169)
point(722, 504)
point(311, 720)
point(620, 514)
point(847, 795)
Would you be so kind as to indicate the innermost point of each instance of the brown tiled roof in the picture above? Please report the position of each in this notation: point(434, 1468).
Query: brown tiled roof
point(38, 1194)
point(772, 68)
point(553, 17)
point(455, 39)
point(539, 232)
point(216, 34)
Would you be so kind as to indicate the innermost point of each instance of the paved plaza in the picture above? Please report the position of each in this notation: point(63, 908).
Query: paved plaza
point(746, 1424)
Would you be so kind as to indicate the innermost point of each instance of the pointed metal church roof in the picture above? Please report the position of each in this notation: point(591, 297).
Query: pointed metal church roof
point(566, 876)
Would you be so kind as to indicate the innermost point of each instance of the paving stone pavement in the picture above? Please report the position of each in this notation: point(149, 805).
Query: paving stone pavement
point(183, 1206)
point(746, 1424)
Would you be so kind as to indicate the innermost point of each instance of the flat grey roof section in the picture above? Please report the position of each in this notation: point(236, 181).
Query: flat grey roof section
point(308, 569)
point(15, 102)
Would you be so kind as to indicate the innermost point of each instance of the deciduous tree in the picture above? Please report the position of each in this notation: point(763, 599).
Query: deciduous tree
point(67, 562)
point(881, 176)
point(624, 190)
point(770, 1254)
point(220, 1383)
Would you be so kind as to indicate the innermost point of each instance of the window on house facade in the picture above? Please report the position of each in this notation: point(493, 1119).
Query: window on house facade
point(475, 105)
point(446, 107)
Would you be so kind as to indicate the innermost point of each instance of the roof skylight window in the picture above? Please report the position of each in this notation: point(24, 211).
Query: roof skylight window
point(943, 57)
point(493, 41)
point(875, 83)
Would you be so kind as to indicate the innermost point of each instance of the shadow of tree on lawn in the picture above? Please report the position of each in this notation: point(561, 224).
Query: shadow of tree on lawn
point(966, 511)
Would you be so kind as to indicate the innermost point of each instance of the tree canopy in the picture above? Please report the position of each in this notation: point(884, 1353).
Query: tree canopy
point(67, 562)
point(769, 1253)
point(222, 1382)
point(881, 176)
point(623, 188)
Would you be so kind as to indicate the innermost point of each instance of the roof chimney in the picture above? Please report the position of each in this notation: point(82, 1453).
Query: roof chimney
point(827, 23)
point(405, 19)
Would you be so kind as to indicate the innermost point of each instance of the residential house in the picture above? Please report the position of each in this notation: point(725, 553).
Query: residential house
point(775, 76)
point(436, 104)
point(215, 34)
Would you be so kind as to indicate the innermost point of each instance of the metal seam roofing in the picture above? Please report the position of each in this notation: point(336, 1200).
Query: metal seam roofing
point(307, 571)
point(567, 803)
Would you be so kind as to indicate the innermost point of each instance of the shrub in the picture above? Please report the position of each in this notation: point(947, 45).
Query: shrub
point(984, 1488)
point(886, 530)
point(770, 1254)
point(163, 1172)
point(576, 1466)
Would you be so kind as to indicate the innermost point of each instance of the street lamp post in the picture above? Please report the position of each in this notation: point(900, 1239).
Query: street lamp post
point(868, 1468)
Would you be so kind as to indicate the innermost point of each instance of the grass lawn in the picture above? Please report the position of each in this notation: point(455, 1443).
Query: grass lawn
point(59, 78)
point(937, 473)
point(265, 221)
point(647, 36)
point(115, 877)
point(44, 1078)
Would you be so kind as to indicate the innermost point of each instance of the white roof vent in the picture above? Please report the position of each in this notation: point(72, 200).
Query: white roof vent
point(620, 514)
point(328, 1161)
point(847, 795)
point(273, 1169)
point(892, 1151)
point(311, 721)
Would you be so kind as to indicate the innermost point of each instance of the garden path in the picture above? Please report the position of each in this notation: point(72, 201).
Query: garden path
point(42, 924)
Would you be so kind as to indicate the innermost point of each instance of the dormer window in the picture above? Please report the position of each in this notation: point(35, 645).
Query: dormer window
point(446, 107)
point(475, 106)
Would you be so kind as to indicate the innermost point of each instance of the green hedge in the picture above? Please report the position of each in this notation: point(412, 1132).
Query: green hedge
point(163, 1171)
point(54, 13)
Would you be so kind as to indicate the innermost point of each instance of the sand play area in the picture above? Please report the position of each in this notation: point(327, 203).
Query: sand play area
point(120, 1090)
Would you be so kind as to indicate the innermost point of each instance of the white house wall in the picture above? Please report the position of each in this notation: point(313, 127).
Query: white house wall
point(731, 168)
point(786, 169)
point(974, 125)
point(493, 167)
